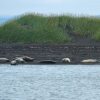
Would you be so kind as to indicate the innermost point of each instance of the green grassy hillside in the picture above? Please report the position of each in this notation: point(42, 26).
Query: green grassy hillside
point(49, 29)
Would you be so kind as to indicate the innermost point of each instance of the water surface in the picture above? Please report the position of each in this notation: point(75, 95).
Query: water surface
point(50, 82)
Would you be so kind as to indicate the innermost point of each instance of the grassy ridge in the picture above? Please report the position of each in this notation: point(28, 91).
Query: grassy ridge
point(49, 29)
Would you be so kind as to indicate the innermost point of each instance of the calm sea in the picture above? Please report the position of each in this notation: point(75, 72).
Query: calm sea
point(50, 82)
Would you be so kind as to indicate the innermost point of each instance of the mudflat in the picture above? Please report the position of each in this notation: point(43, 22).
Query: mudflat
point(54, 52)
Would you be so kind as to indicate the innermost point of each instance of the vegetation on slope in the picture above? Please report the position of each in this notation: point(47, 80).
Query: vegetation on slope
point(34, 28)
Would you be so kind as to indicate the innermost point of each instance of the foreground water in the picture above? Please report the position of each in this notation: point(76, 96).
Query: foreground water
point(56, 82)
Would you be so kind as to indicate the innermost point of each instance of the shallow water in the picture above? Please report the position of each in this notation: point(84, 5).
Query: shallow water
point(45, 82)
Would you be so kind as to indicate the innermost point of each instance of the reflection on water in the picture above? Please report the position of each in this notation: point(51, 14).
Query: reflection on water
point(55, 82)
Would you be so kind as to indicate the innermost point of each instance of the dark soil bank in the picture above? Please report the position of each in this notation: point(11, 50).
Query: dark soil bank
point(51, 52)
